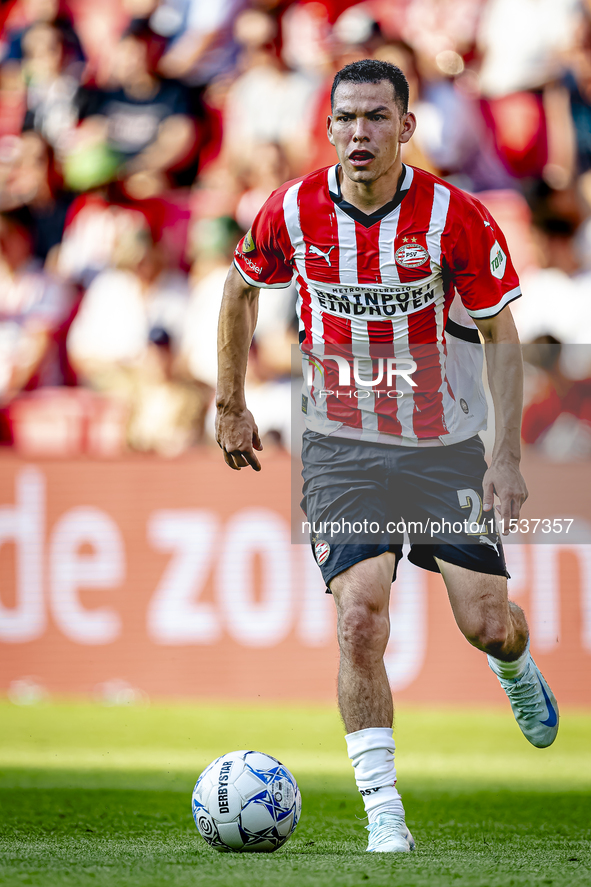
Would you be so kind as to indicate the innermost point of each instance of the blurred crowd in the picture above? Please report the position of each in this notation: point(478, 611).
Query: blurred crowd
point(139, 138)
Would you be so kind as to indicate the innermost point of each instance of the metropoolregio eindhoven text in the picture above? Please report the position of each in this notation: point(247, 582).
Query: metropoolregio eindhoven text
point(373, 301)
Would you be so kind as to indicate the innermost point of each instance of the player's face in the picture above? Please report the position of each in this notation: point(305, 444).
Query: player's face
point(367, 129)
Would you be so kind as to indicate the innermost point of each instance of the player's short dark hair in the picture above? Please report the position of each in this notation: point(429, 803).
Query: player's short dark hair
point(374, 71)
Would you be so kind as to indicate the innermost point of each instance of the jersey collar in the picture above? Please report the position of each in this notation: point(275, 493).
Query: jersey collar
point(334, 189)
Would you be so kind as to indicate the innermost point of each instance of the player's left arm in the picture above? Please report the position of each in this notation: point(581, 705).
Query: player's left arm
point(505, 377)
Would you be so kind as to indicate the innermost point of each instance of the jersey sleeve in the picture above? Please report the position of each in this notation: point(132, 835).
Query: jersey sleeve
point(263, 256)
point(481, 269)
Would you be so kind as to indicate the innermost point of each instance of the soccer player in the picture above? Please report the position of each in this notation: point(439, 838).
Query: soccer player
point(387, 256)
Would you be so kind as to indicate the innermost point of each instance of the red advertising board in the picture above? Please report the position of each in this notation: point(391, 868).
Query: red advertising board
point(179, 578)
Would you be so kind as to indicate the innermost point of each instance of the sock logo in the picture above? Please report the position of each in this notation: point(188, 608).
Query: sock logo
point(369, 791)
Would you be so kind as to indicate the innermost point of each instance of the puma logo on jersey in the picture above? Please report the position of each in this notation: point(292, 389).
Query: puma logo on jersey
point(314, 250)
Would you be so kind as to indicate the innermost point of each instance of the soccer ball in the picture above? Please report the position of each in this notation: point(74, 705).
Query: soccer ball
point(246, 802)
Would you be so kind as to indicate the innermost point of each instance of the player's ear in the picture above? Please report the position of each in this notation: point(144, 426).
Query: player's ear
point(329, 129)
point(409, 124)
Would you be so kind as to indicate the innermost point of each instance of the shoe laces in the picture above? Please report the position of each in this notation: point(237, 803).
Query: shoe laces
point(524, 692)
point(385, 825)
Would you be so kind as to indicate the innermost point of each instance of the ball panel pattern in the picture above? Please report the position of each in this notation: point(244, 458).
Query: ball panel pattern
point(231, 835)
point(246, 802)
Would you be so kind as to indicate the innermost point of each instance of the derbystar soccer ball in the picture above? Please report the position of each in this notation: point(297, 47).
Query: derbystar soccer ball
point(246, 802)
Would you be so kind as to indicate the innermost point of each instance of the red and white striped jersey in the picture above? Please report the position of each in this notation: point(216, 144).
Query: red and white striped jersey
point(375, 285)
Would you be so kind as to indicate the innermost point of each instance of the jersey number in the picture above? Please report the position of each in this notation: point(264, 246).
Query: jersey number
point(471, 499)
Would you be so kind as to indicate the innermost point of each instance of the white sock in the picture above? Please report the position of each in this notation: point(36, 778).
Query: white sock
point(372, 754)
point(510, 671)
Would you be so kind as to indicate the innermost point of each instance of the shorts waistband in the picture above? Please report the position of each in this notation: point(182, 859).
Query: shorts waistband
point(381, 438)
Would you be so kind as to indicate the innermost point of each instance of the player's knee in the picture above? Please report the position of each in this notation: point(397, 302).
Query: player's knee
point(488, 635)
point(363, 633)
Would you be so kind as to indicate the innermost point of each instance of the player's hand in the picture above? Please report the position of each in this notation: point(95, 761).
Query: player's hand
point(238, 437)
point(505, 479)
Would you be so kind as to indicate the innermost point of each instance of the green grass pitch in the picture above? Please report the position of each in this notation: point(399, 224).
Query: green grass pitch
point(101, 796)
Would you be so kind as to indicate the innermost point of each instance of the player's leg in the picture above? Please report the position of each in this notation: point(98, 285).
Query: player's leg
point(468, 552)
point(498, 627)
point(362, 595)
point(483, 612)
point(345, 485)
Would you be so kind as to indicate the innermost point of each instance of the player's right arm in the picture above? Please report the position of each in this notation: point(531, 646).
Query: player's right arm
point(236, 430)
point(262, 259)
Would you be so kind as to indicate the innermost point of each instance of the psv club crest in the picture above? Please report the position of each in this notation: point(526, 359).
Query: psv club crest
point(321, 551)
point(411, 254)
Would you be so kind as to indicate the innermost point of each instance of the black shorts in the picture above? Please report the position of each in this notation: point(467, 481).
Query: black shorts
point(362, 499)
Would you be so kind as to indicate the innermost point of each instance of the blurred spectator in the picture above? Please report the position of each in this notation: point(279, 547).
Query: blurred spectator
point(48, 12)
point(94, 227)
point(451, 138)
point(51, 84)
point(557, 296)
point(33, 186)
point(578, 83)
point(124, 343)
point(110, 335)
point(13, 101)
point(35, 312)
point(139, 129)
point(268, 378)
point(267, 103)
point(305, 31)
point(522, 42)
point(437, 28)
point(213, 242)
point(202, 46)
point(558, 420)
point(167, 411)
point(97, 220)
point(266, 174)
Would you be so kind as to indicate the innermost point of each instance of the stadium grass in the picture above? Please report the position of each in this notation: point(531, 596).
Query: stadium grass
point(101, 796)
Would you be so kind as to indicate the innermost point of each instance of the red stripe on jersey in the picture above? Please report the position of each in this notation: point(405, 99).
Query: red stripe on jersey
point(428, 420)
point(368, 253)
point(337, 330)
point(318, 222)
point(305, 311)
point(413, 225)
point(386, 408)
point(344, 407)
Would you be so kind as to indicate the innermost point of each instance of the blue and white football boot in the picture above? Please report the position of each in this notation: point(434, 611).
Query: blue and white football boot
point(389, 834)
point(534, 705)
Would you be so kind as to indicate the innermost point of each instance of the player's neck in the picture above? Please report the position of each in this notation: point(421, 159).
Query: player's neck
point(371, 196)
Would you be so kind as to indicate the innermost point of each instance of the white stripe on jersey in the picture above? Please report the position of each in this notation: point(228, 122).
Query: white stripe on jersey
point(404, 405)
point(388, 228)
point(360, 348)
point(408, 177)
point(448, 402)
point(441, 197)
point(347, 247)
point(291, 214)
point(490, 312)
point(333, 185)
